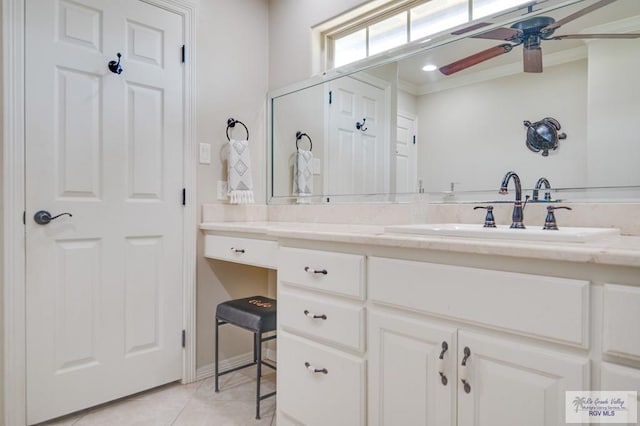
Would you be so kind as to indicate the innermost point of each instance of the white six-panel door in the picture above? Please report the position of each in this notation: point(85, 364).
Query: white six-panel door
point(104, 298)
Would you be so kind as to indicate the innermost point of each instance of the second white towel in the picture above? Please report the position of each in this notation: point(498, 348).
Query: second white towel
point(303, 174)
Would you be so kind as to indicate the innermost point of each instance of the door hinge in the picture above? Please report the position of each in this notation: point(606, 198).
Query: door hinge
point(330, 97)
point(184, 338)
point(183, 54)
point(184, 196)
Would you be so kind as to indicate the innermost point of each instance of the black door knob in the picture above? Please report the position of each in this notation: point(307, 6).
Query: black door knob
point(43, 217)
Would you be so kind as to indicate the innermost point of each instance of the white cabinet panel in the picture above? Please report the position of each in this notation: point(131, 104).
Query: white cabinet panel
point(242, 250)
point(318, 385)
point(334, 321)
point(536, 305)
point(405, 387)
point(515, 384)
point(621, 318)
point(336, 273)
point(620, 378)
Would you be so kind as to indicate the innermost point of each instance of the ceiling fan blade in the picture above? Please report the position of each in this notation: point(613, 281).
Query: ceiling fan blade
point(579, 36)
point(475, 59)
point(576, 15)
point(532, 59)
point(499, 34)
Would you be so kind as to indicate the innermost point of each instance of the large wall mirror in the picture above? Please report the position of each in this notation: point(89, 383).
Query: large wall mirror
point(393, 129)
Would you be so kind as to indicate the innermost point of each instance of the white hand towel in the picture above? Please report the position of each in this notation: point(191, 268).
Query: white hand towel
point(240, 184)
point(303, 174)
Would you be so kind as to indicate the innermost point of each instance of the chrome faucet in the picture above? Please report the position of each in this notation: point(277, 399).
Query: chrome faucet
point(547, 186)
point(518, 209)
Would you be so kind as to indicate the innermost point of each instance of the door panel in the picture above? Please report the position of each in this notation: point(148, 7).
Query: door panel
point(104, 287)
point(406, 155)
point(405, 387)
point(358, 159)
point(515, 384)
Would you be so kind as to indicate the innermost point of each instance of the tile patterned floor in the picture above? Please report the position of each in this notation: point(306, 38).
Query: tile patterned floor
point(195, 404)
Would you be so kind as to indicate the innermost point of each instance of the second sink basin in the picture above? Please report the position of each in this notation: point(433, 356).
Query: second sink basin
point(565, 234)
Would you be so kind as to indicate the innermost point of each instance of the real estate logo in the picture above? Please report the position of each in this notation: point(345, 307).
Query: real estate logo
point(601, 407)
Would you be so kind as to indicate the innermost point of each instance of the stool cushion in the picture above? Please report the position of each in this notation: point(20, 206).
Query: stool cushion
point(256, 313)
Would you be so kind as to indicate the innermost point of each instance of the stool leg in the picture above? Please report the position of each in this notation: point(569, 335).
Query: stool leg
point(258, 356)
point(216, 356)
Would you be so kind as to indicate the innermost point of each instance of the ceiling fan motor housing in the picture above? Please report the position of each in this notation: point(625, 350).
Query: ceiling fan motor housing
point(534, 26)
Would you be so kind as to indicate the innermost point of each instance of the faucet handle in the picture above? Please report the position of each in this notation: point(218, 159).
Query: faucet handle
point(550, 220)
point(489, 221)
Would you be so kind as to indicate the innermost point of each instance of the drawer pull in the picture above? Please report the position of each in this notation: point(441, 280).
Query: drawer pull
point(236, 250)
point(315, 370)
point(443, 377)
point(315, 271)
point(463, 370)
point(310, 315)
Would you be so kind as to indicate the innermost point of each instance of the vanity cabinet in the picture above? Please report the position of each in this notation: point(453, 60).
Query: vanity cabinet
point(368, 337)
point(428, 369)
point(424, 373)
point(321, 338)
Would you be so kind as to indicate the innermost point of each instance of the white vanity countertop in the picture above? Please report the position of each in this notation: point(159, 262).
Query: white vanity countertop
point(616, 250)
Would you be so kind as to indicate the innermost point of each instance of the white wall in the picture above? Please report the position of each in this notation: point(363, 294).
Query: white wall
point(231, 81)
point(474, 134)
point(290, 45)
point(614, 108)
point(1, 236)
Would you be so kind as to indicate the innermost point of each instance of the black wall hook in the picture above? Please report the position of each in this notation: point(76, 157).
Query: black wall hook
point(360, 126)
point(114, 66)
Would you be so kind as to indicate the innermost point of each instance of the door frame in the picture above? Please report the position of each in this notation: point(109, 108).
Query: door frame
point(13, 193)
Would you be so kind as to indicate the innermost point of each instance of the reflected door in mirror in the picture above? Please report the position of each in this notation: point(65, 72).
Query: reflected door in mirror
point(358, 158)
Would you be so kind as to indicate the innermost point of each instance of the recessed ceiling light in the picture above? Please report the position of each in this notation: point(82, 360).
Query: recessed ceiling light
point(429, 67)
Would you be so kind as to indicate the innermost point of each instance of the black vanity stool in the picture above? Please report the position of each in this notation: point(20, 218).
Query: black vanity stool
point(258, 315)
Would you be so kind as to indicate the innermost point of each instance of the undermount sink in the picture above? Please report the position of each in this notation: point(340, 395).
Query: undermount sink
point(564, 234)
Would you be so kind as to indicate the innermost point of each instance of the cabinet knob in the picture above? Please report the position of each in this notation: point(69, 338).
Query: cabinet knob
point(314, 369)
point(315, 271)
point(314, 316)
point(237, 250)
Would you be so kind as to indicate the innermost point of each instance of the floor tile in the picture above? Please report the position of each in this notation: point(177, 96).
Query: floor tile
point(193, 404)
point(225, 413)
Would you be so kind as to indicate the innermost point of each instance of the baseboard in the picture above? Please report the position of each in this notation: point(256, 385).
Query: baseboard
point(208, 370)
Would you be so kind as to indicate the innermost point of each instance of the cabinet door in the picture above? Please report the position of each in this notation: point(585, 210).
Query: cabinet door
point(620, 378)
point(405, 387)
point(515, 384)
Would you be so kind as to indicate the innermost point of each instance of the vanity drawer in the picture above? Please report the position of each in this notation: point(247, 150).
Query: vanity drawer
point(540, 306)
point(249, 251)
point(335, 321)
point(336, 273)
point(621, 319)
point(316, 398)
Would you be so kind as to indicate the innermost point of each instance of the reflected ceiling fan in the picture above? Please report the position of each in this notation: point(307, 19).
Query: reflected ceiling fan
point(528, 33)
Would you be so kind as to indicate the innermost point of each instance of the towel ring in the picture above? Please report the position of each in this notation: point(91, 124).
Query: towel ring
point(232, 123)
point(299, 136)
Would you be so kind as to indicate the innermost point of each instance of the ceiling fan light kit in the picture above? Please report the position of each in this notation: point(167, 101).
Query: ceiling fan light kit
point(529, 33)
